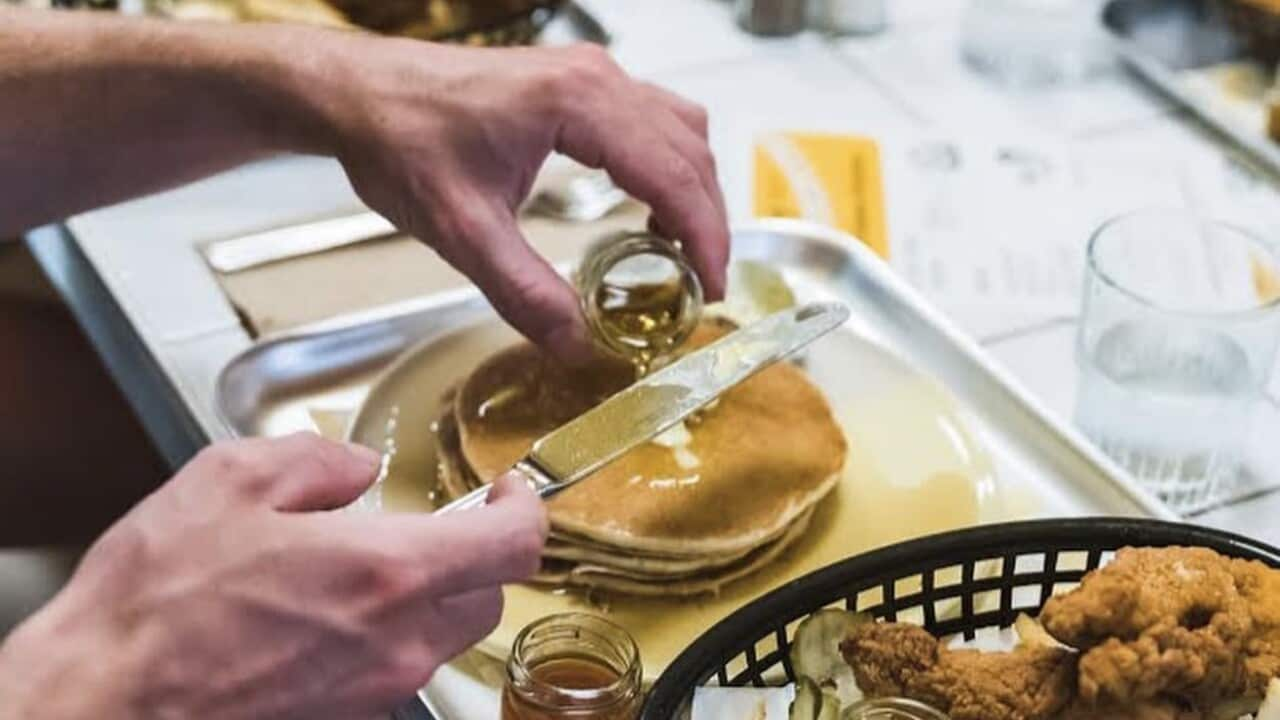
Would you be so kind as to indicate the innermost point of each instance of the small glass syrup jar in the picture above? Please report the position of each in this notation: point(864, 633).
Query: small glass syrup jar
point(891, 709)
point(573, 666)
point(640, 297)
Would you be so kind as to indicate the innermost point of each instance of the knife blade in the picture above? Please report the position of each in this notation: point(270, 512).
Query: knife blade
point(660, 400)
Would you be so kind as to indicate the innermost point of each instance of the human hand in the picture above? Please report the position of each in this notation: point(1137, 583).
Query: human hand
point(446, 141)
point(225, 594)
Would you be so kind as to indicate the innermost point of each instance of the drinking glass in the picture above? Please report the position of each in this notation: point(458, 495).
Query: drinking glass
point(1177, 338)
point(1030, 44)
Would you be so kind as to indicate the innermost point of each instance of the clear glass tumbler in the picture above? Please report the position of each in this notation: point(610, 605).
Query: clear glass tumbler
point(1030, 44)
point(1178, 335)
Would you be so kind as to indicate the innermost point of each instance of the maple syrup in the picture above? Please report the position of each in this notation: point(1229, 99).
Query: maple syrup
point(572, 666)
point(640, 297)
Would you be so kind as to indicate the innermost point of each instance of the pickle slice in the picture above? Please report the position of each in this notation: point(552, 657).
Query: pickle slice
point(808, 700)
point(831, 704)
point(815, 652)
point(814, 703)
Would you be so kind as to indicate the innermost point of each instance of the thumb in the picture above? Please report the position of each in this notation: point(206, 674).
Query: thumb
point(312, 474)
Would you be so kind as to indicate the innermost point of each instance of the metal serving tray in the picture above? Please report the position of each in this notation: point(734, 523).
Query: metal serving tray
point(267, 389)
point(1163, 39)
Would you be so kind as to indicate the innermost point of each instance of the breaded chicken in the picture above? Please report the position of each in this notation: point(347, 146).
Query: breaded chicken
point(1029, 683)
point(1160, 709)
point(1186, 623)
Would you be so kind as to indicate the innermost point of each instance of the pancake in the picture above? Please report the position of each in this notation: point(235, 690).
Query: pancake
point(452, 474)
point(766, 453)
point(456, 480)
point(593, 579)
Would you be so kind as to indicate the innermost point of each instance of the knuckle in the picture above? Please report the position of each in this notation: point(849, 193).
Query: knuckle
point(682, 175)
point(525, 544)
point(462, 227)
point(390, 578)
point(699, 115)
point(307, 441)
point(490, 612)
point(592, 58)
point(584, 67)
point(125, 545)
point(705, 159)
point(236, 460)
point(411, 667)
point(526, 303)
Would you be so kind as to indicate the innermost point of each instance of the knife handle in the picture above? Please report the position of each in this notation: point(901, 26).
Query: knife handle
point(540, 482)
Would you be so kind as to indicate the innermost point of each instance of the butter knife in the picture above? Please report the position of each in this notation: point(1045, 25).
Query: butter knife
point(575, 450)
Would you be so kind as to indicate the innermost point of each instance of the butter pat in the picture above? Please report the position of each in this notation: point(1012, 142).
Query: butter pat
point(734, 703)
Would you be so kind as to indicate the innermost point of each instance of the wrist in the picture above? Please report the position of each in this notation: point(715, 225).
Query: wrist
point(281, 78)
point(48, 669)
point(266, 75)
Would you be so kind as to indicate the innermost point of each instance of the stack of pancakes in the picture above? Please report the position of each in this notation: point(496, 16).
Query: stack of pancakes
point(709, 502)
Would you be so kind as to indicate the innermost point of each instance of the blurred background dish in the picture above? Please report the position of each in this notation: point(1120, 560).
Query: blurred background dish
point(1033, 44)
point(471, 22)
point(1257, 23)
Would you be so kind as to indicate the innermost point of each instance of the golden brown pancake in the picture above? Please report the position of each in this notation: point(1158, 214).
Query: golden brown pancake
point(604, 579)
point(457, 480)
point(452, 474)
point(766, 454)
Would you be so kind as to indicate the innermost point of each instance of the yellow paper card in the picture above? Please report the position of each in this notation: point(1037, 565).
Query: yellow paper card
point(832, 179)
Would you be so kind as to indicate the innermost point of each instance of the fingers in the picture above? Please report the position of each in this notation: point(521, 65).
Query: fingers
point(689, 144)
point(520, 284)
point(298, 473)
point(512, 485)
point(496, 544)
point(429, 633)
point(468, 618)
point(690, 113)
point(652, 152)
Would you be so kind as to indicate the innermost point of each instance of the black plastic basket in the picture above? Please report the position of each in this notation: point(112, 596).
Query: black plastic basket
point(982, 577)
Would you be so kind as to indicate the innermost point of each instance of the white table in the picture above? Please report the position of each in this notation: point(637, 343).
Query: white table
point(138, 284)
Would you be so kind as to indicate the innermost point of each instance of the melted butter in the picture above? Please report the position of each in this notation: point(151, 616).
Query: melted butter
point(686, 458)
point(732, 359)
point(499, 399)
point(672, 483)
point(679, 440)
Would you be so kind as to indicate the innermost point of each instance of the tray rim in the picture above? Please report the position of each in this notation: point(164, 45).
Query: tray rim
point(1161, 77)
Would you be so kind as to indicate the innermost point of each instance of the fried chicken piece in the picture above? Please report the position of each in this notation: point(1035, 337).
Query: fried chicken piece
point(1159, 709)
point(1181, 622)
point(1029, 683)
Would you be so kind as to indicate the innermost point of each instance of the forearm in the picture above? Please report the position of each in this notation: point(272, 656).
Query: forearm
point(99, 109)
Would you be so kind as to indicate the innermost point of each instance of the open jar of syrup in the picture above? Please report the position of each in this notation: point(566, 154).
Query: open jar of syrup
point(639, 295)
point(573, 666)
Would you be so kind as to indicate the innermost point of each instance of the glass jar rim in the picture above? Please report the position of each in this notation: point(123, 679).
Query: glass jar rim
point(905, 706)
point(607, 252)
point(1095, 267)
point(629, 675)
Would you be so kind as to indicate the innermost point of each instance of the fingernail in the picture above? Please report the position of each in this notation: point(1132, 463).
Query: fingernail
point(365, 456)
